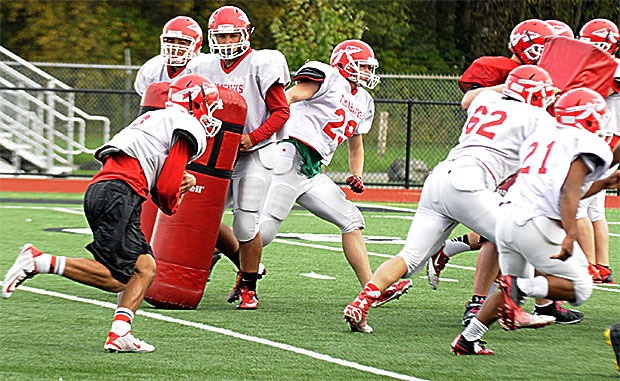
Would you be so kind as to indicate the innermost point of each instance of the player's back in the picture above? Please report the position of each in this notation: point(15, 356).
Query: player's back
point(495, 130)
point(332, 115)
point(545, 159)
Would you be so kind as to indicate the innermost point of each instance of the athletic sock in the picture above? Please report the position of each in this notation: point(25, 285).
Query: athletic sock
point(122, 321)
point(456, 245)
point(478, 299)
point(474, 330)
point(249, 280)
point(50, 264)
point(371, 290)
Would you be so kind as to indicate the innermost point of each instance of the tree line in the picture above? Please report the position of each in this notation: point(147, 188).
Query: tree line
point(409, 36)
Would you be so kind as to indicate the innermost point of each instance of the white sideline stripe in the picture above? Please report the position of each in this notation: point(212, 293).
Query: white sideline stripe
point(237, 335)
point(315, 246)
point(56, 209)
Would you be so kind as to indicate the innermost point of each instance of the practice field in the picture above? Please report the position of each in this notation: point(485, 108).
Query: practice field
point(54, 329)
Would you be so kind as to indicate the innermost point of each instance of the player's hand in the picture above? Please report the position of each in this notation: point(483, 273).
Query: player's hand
point(246, 143)
point(188, 181)
point(566, 251)
point(355, 183)
point(613, 181)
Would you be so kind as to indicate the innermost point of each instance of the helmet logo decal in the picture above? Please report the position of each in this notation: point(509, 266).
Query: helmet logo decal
point(348, 50)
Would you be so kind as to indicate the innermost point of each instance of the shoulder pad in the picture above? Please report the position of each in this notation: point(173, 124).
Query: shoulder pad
point(309, 73)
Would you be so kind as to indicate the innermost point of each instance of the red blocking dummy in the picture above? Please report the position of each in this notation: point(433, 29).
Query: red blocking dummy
point(573, 63)
point(183, 243)
point(154, 98)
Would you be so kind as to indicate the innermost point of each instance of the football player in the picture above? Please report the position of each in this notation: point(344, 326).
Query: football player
point(260, 76)
point(486, 155)
point(537, 224)
point(526, 43)
point(603, 34)
point(329, 105)
point(148, 156)
point(181, 41)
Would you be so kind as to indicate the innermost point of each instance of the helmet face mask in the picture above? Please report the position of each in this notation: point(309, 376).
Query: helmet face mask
point(530, 84)
point(585, 109)
point(181, 40)
point(200, 97)
point(601, 33)
point(229, 20)
point(356, 62)
point(527, 40)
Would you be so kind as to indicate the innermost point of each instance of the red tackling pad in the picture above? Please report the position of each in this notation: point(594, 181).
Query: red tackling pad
point(184, 243)
point(573, 63)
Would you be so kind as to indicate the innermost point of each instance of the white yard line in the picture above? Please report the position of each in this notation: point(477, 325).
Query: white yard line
point(237, 335)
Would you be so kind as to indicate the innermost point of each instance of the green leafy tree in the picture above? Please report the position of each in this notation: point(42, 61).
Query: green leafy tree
point(309, 29)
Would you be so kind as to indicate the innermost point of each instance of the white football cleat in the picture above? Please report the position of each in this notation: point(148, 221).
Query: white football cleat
point(23, 268)
point(126, 344)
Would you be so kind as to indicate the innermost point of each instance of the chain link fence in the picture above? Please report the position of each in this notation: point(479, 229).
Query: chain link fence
point(418, 119)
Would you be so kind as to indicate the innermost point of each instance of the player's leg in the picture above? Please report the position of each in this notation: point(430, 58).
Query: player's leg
point(322, 197)
point(427, 232)
point(250, 181)
point(596, 212)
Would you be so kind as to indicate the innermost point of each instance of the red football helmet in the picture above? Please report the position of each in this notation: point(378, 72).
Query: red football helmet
point(226, 20)
point(349, 55)
point(601, 33)
point(184, 28)
point(200, 97)
point(527, 40)
point(530, 84)
point(584, 108)
point(560, 28)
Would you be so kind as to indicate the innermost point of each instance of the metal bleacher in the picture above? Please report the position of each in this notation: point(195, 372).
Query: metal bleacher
point(41, 130)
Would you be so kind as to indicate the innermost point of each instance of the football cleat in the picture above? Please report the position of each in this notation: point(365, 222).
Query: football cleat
point(435, 265)
point(512, 316)
point(126, 344)
point(356, 318)
point(613, 338)
point(606, 274)
point(461, 347)
point(248, 299)
point(562, 315)
point(393, 292)
point(23, 268)
point(233, 295)
point(471, 310)
point(594, 272)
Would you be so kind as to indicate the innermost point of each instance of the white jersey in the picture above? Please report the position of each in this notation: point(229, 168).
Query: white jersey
point(153, 70)
point(251, 76)
point(332, 115)
point(150, 137)
point(545, 159)
point(495, 130)
point(613, 106)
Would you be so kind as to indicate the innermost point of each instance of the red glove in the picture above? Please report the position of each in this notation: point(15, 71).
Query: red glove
point(356, 184)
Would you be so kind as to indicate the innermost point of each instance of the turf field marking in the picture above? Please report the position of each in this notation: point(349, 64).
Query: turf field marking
point(237, 335)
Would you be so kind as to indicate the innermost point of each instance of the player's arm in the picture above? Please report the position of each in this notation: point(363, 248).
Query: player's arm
point(610, 182)
point(470, 95)
point(279, 113)
point(356, 163)
point(301, 91)
point(173, 180)
point(570, 194)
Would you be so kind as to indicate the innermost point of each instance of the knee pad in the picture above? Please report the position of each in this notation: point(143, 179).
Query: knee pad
point(356, 221)
point(245, 225)
point(583, 290)
point(268, 229)
point(413, 265)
